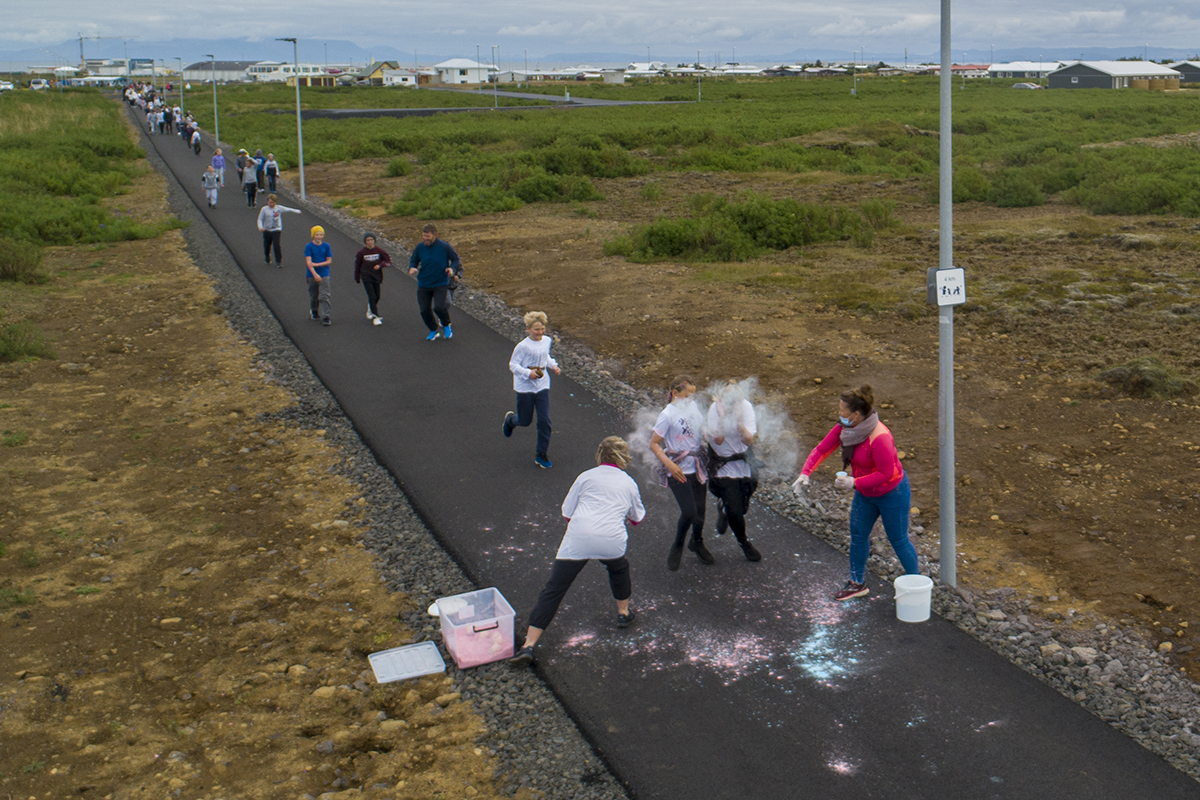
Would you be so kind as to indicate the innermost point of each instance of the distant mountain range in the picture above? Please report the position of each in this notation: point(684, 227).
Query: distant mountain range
point(342, 52)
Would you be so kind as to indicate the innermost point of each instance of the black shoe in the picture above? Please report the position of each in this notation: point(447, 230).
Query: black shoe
point(697, 547)
point(312, 312)
point(509, 420)
point(524, 657)
point(325, 320)
point(625, 620)
point(722, 521)
point(751, 551)
point(674, 557)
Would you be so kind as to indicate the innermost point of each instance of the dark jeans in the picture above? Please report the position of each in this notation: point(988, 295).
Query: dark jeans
point(251, 193)
point(734, 494)
point(271, 240)
point(372, 290)
point(271, 181)
point(437, 298)
point(527, 403)
point(691, 496)
point(563, 574)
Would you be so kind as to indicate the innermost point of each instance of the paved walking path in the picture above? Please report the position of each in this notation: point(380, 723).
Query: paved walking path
point(738, 680)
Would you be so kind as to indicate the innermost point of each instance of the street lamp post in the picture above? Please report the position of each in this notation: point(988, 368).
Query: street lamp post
point(216, 119)
point(991, 67)
point(699, 88)
point(182, 110)
point(496, 68)
point(299, 124)
point(477, 65)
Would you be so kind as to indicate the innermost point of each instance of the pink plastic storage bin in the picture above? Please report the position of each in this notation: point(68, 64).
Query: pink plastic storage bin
point(477, 627)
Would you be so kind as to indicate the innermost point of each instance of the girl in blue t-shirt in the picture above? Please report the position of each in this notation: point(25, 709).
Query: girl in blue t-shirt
point(317, 258)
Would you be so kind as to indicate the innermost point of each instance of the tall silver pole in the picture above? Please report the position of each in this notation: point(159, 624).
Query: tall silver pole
point(496, 68)
point(182, 110)
point(216, 119)
point(299, 123)
point(699, 88)
point(946, 500)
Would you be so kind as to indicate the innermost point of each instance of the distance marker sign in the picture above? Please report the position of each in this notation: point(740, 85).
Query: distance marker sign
point(946, 287)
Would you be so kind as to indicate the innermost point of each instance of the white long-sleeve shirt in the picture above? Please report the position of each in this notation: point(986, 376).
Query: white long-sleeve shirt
point(599, 503)
point(271, 219)
point(527, 355)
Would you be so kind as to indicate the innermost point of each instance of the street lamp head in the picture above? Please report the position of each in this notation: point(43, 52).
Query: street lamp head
point(287, 39)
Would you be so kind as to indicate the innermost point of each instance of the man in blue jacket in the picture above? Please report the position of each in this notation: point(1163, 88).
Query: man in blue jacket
point(435, 263)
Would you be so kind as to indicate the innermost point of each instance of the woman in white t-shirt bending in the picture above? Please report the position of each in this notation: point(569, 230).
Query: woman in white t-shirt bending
point(600, 502)
point(678, 443)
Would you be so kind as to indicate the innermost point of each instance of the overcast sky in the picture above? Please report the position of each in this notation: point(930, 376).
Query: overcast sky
point(554, 26)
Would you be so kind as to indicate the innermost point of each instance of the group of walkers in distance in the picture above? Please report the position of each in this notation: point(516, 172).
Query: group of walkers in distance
point(696, 451)
point(701, 452)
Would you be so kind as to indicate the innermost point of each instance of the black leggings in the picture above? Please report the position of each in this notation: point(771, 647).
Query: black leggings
point(372, 290)
point(563, 574)
point(734, 494)
point(691, 496)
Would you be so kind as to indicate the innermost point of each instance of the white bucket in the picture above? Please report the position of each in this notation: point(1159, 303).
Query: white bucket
point(913, 596)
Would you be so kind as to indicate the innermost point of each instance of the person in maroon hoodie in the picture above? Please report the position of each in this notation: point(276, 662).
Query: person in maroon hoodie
point(871, 467)
point(368, 270)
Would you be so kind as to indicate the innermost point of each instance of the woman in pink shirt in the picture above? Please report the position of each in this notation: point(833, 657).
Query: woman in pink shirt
point(872, 469)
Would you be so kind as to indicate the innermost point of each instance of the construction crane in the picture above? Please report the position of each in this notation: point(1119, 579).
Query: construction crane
point(82, 60)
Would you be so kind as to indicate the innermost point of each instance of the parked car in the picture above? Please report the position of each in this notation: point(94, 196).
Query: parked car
point(6, 86)
point(1027, 86)
point(39, 83)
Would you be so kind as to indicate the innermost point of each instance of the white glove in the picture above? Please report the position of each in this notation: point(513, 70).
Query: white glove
point(800, 484)
point(843, 482)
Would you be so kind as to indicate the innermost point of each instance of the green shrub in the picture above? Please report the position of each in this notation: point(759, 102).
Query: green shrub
point(14, 438)
point(398, 167)
point(22, 340)
point(880, 214)
point(10, 597)
point(1149, 377)
point(651, 191)
point(1014, 190)
point(737, 230)
point(969, 184)
point(21, 262)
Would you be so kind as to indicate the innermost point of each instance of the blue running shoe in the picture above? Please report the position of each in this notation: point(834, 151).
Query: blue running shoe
point(510, 421)
point(447, 332)
point(432, 335)
point(543, 462)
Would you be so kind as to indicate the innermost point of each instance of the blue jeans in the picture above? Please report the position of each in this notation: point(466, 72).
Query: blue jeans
point(893, 507)
point(527, 403)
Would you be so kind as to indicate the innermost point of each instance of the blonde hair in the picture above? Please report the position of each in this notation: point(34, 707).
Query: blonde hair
point(613, 450)
point(535, 316)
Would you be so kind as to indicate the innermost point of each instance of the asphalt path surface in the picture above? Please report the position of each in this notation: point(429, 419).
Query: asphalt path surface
point(737, 680)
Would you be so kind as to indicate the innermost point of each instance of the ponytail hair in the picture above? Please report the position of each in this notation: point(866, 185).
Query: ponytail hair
point(861, 399)
point(677, 384)
point(613, 450)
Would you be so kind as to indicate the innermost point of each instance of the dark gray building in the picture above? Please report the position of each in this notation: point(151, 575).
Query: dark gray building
point(1107, 74)
point(1189, 71)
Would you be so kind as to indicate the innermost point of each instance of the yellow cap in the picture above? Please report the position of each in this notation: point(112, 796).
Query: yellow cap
point(316, 229)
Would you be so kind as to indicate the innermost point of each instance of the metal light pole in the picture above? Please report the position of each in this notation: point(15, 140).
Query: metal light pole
point(964, 83)
point(182, 110)
point(299, 124)
point(477, 81)
point(991, 67)
point(946, 500)
point(699, 88)
point(496, 83)
point(216, 119)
